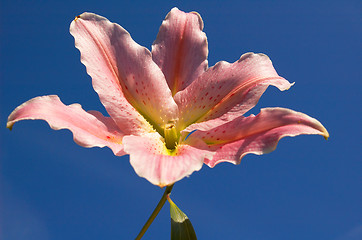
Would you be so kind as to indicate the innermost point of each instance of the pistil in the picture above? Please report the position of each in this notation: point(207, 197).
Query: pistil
point(171, 136)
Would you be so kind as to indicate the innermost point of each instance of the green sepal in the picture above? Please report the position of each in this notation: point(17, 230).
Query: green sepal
point(181, 227)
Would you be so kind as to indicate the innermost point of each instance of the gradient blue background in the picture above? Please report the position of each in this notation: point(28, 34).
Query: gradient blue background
point(309, 188)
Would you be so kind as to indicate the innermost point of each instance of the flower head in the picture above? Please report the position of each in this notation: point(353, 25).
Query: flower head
point(167, 109)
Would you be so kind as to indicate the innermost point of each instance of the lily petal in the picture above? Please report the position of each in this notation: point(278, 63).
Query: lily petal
point(89, 129)
point(180, 49)
point(150, 159)
point(226, 87)
point(123, 73)
point(256, 134)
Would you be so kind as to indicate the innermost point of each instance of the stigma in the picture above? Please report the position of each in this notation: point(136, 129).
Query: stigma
point(171, 136)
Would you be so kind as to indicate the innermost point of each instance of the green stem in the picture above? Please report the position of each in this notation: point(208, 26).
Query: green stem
point(155, 212)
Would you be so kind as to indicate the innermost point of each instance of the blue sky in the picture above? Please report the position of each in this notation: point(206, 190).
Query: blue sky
point(309, 188)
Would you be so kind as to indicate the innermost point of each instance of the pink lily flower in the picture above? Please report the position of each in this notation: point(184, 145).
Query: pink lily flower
point(167, 109)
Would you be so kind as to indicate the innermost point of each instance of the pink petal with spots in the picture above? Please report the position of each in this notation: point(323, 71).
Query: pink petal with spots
point(180, 49)
point(226, 87)
point(256, 134)
point(123, 73)
point(210, 124)
point(89, 129)
point(151, 160)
